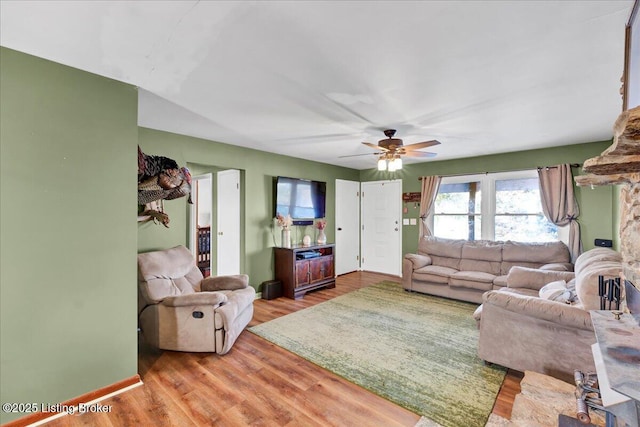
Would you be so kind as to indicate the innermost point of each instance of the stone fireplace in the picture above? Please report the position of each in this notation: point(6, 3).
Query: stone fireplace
point(620, 165)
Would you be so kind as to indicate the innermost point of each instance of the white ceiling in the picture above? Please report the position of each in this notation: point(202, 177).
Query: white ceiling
point(314, 79)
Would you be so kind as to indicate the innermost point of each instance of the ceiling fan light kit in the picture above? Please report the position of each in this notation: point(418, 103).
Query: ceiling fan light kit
point(392, 149)
point(390, 163)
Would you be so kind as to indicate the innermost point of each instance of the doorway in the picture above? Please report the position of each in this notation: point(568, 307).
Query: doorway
point(347, 225)
point(381, 215)
point(201, 219)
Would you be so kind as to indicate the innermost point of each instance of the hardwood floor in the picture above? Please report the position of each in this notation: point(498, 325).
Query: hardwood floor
point(257, 384)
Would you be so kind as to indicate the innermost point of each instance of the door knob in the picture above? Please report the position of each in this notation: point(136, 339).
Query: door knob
point(396, 228)
point(339, 228)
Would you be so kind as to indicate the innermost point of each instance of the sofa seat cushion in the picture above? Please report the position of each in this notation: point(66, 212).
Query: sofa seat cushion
point(434, 273)
point(472, 279)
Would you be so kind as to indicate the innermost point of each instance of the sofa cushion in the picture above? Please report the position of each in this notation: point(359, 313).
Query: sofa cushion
point(556, 266)
point(167, 273)
point(221, 283)
point(532, 278)
point(542, 252)
point(472, 280)
point(485, 250)
point(443, 252)
point(533, 255)
point(506, 266)
point(492, 267)
point(434, 274)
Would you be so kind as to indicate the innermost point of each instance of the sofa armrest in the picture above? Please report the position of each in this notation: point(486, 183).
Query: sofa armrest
point(555, 312)
point(224, 283)
point(533, 278)
point(418, 261)
point(238, 301)
point(199, 298)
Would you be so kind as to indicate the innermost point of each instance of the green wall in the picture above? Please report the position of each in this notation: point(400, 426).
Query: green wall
point(597, 205)
point(258, 169)
point(68, 248)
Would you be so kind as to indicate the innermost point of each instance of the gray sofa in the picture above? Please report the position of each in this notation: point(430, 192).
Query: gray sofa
point(465, 270)
point(522, 331)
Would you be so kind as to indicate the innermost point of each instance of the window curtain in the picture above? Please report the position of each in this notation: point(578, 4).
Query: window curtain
point(429, 191)
point(559, 203)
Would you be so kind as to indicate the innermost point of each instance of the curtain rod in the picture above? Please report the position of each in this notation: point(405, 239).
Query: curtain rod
point(573, 165)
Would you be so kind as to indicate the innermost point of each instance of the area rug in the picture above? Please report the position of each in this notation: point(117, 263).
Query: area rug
point(415, 350)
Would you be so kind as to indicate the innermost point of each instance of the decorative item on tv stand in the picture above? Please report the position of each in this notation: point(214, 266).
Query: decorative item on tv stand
point(322, 237)
point(285, 223)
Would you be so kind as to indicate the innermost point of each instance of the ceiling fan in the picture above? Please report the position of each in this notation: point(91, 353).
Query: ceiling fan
point(392, 150)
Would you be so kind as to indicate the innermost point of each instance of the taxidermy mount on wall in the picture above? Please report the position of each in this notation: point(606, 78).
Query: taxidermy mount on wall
point(159, 179)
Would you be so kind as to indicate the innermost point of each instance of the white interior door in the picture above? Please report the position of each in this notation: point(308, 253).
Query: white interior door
point(347, 231)
point(381, 209)
point(228, 221)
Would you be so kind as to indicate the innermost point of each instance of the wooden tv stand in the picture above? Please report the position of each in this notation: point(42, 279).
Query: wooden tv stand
point(300, 275)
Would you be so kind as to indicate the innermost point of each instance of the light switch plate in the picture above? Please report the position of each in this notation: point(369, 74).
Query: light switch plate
point(414, 221)
point(405, 221)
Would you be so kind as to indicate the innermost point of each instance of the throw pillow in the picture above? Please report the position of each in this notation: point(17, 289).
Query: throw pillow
point(556, 291)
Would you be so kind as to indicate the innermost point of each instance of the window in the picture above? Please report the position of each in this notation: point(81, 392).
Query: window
point(500, 206)
point(457, 210)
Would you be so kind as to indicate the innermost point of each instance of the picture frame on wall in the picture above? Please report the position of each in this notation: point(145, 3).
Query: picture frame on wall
point(631, 76)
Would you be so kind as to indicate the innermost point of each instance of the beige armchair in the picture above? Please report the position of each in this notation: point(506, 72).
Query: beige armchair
point(179, 309)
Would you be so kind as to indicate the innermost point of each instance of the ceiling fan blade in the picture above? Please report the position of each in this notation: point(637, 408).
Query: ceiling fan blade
point(356, 155)
point(419, 154)
point(419, 145)
point(374, 146)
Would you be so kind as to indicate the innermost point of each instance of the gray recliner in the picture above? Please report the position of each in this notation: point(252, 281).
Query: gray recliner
point(179, 309)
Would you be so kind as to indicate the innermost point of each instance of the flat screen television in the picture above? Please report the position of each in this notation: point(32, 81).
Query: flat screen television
point(303, 199)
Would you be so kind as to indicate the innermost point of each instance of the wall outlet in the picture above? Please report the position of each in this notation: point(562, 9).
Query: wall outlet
point(413, 221)
point(405, 221)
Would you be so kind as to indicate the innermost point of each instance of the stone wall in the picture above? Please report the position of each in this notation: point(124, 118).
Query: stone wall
point(620, 164)
point(630, 232)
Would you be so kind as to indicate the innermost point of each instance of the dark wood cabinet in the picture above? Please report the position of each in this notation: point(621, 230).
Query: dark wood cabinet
point(305, 268)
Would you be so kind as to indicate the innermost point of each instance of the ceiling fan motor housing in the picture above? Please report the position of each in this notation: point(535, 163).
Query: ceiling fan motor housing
point(387, 143)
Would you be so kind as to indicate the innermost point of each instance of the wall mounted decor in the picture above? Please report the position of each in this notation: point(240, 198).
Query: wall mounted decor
point(411, 197)
point(159, 179)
